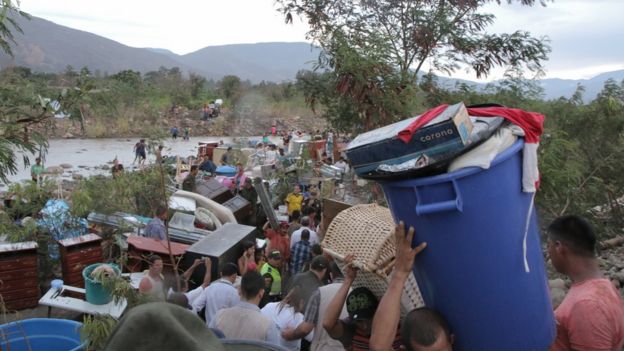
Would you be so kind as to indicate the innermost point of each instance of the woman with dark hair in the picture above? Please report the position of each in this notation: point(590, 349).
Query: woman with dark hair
point(288, 314)
point(247, 260)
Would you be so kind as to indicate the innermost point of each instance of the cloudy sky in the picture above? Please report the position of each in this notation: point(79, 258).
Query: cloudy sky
point(586, 35)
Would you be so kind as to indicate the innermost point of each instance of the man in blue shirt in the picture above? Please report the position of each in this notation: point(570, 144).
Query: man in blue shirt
point(155, 228)
point(300, 253)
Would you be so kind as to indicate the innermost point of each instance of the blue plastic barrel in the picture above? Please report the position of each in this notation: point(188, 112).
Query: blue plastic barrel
point(41, 334)
point(94, 290)
point(473, 270)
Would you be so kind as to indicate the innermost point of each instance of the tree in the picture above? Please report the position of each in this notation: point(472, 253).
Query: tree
point(230, 86)
point(8, 9)
point(391, 40)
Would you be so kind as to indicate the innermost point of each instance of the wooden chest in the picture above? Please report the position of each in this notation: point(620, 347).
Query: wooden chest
point(213, 190)
point(240, 207)
point(223, 245)
point(78, 253)
point(19, 281)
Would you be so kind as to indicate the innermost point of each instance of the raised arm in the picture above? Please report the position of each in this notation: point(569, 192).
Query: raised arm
point(208, 274)
point(331, 322)
point(385, 324)
point(189, 272)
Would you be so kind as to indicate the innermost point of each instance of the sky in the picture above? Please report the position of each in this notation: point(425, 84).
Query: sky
point(586, 36)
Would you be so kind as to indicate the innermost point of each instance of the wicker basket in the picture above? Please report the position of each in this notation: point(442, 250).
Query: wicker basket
point(367, 231)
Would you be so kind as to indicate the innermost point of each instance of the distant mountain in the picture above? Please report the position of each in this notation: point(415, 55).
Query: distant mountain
point(49, 47)
point(263, 61)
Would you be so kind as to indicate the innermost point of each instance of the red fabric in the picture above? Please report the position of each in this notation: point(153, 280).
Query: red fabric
point(531, 122)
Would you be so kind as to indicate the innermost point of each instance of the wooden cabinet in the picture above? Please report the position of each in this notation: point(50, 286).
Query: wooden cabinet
point(213, 190)
point(78, 253)
point(19, 282)
point(241, 208)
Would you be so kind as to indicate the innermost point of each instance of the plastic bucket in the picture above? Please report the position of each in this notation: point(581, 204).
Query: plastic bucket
point(41, 334)
point(228, 171)
point(473, 270)
point(94, 291)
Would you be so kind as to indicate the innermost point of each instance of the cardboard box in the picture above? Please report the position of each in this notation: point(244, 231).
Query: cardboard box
point(444, 136)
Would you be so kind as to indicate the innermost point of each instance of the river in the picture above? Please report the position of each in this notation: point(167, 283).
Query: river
point(86, 154)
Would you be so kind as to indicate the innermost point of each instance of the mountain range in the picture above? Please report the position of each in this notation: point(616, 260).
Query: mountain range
point(48, 47)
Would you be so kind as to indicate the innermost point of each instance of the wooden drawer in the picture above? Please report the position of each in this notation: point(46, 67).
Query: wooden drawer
point(11, 285)
point(83, 253)
point(32, 292)
point(17, 262)
point(72, 278)
point(18, 274)
point(22, 304)
point(78, 266)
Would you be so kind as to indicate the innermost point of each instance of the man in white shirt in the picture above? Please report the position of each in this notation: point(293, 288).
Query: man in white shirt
point(296, 235)
point(245, 321)
point(220, 294)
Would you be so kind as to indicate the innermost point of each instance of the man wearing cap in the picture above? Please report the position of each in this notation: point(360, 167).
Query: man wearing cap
point(313, 279)
point(273, 267)
point(220, 294)
point(353, 332)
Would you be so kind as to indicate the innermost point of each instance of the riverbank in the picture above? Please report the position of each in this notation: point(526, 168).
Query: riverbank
point(243, 123)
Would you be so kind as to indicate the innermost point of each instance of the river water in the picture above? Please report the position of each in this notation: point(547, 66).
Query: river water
point(86, 154)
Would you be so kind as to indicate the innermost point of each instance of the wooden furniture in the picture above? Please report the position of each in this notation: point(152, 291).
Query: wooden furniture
point(78, 253)
point(213, 190)
point(58, 299)
point(241, 208)
point(223, 245)
point(19, 283)
point(140, 248)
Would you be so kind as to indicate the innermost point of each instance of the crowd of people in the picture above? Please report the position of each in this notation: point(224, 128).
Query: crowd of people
point(289, 293)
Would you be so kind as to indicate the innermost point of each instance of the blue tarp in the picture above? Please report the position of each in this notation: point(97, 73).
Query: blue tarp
point(60, 224)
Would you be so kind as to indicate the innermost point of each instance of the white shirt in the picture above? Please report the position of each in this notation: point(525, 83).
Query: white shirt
point(217, 296)
point(342, 165)
point(191, 296)
point(286, 318)
point(296, 237)
point(271, 157)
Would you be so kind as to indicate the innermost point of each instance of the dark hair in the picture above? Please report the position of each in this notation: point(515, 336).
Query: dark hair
point(229, 148)
point(305, 221)
point(317, 249)
point(305, 235)
point(194, 168)
point(161, 209)
point(335, 271)
point(228, 269)
point(247, 244)
point(171, 282)
point(179, 299)
point(422, 326)
point(295, 215)
point(576, 233)
point(251, 284)
point(153, 258)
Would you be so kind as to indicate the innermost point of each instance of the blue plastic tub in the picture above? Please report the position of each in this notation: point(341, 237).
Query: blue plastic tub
point(41, 334)
point(473, 270)
point(227, 171)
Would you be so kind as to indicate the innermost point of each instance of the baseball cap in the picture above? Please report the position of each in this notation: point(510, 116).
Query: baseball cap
point(361, 304)
point(318, 263)
point(275, 254)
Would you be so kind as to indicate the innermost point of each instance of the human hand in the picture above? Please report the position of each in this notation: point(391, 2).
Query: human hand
point(350, 269)
point(207, 262)
point(197, 262)
point(288, 334)
point(404, 260)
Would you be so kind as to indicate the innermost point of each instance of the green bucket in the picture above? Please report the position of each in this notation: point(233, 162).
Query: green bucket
point(94, 291)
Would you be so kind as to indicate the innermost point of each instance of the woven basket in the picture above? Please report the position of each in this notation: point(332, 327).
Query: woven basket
point(367, 231)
